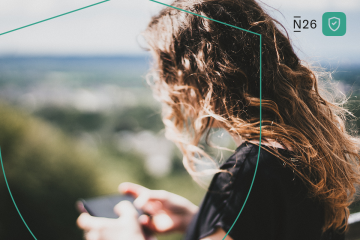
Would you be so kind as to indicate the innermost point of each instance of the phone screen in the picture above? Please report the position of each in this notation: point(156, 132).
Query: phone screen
point(103, 206)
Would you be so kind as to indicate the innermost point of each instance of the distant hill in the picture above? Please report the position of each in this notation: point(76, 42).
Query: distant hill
point(24, 71)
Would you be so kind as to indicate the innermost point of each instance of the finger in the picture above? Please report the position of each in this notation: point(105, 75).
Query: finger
point(162, 223)
point(152, 195)
point(82, 221)
point(126, 209)
point(87, 222)
point(92, 235)
point(152, 207)
point(144, 219)
point(132, 188)
point(146, 222)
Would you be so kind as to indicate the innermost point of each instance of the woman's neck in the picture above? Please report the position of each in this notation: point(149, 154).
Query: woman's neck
point(269, 142)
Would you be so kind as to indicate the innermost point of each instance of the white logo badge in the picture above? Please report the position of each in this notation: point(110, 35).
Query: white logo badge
point(334, 23)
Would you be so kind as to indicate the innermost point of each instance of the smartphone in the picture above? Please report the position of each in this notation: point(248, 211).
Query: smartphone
point(103, 206)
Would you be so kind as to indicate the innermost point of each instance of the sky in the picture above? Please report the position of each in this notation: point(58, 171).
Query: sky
point(114, 27)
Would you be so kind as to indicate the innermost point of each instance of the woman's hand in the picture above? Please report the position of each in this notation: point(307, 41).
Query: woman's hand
point(127, 226)
point(168, 212)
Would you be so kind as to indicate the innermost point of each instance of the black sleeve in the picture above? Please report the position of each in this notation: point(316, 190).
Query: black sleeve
point(261, 214)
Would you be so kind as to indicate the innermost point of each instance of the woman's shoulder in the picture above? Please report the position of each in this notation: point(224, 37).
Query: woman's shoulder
point(251, 152)
point(249, 157)
point(275, 200)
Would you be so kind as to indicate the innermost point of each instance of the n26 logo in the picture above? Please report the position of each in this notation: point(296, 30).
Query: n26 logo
point(303, 24)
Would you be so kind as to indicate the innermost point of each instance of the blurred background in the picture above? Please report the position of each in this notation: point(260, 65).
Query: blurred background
point(76, 115)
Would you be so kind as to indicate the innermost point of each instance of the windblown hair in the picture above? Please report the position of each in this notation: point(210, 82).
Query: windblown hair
point(206, 72)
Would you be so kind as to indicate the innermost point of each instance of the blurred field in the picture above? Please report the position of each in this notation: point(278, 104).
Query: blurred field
point(74, 127)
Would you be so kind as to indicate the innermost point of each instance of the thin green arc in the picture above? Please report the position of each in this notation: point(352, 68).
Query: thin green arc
point(12, 198)
point(257, 162)
point(52, 17)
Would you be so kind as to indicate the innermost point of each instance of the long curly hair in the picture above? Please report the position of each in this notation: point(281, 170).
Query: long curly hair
point(205, 72)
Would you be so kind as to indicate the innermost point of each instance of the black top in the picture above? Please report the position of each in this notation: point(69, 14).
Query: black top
point(277, 209)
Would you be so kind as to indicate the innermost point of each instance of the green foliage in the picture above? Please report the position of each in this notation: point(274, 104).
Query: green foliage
point(138, 118)
point(70, 119)
point(47, 172)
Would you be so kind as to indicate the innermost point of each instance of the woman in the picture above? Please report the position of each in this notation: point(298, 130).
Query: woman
point(207, 75)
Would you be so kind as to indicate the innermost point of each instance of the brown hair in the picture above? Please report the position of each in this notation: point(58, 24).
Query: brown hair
point(206, 71)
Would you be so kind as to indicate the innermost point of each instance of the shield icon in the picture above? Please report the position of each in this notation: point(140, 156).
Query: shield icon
point(334, 23)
